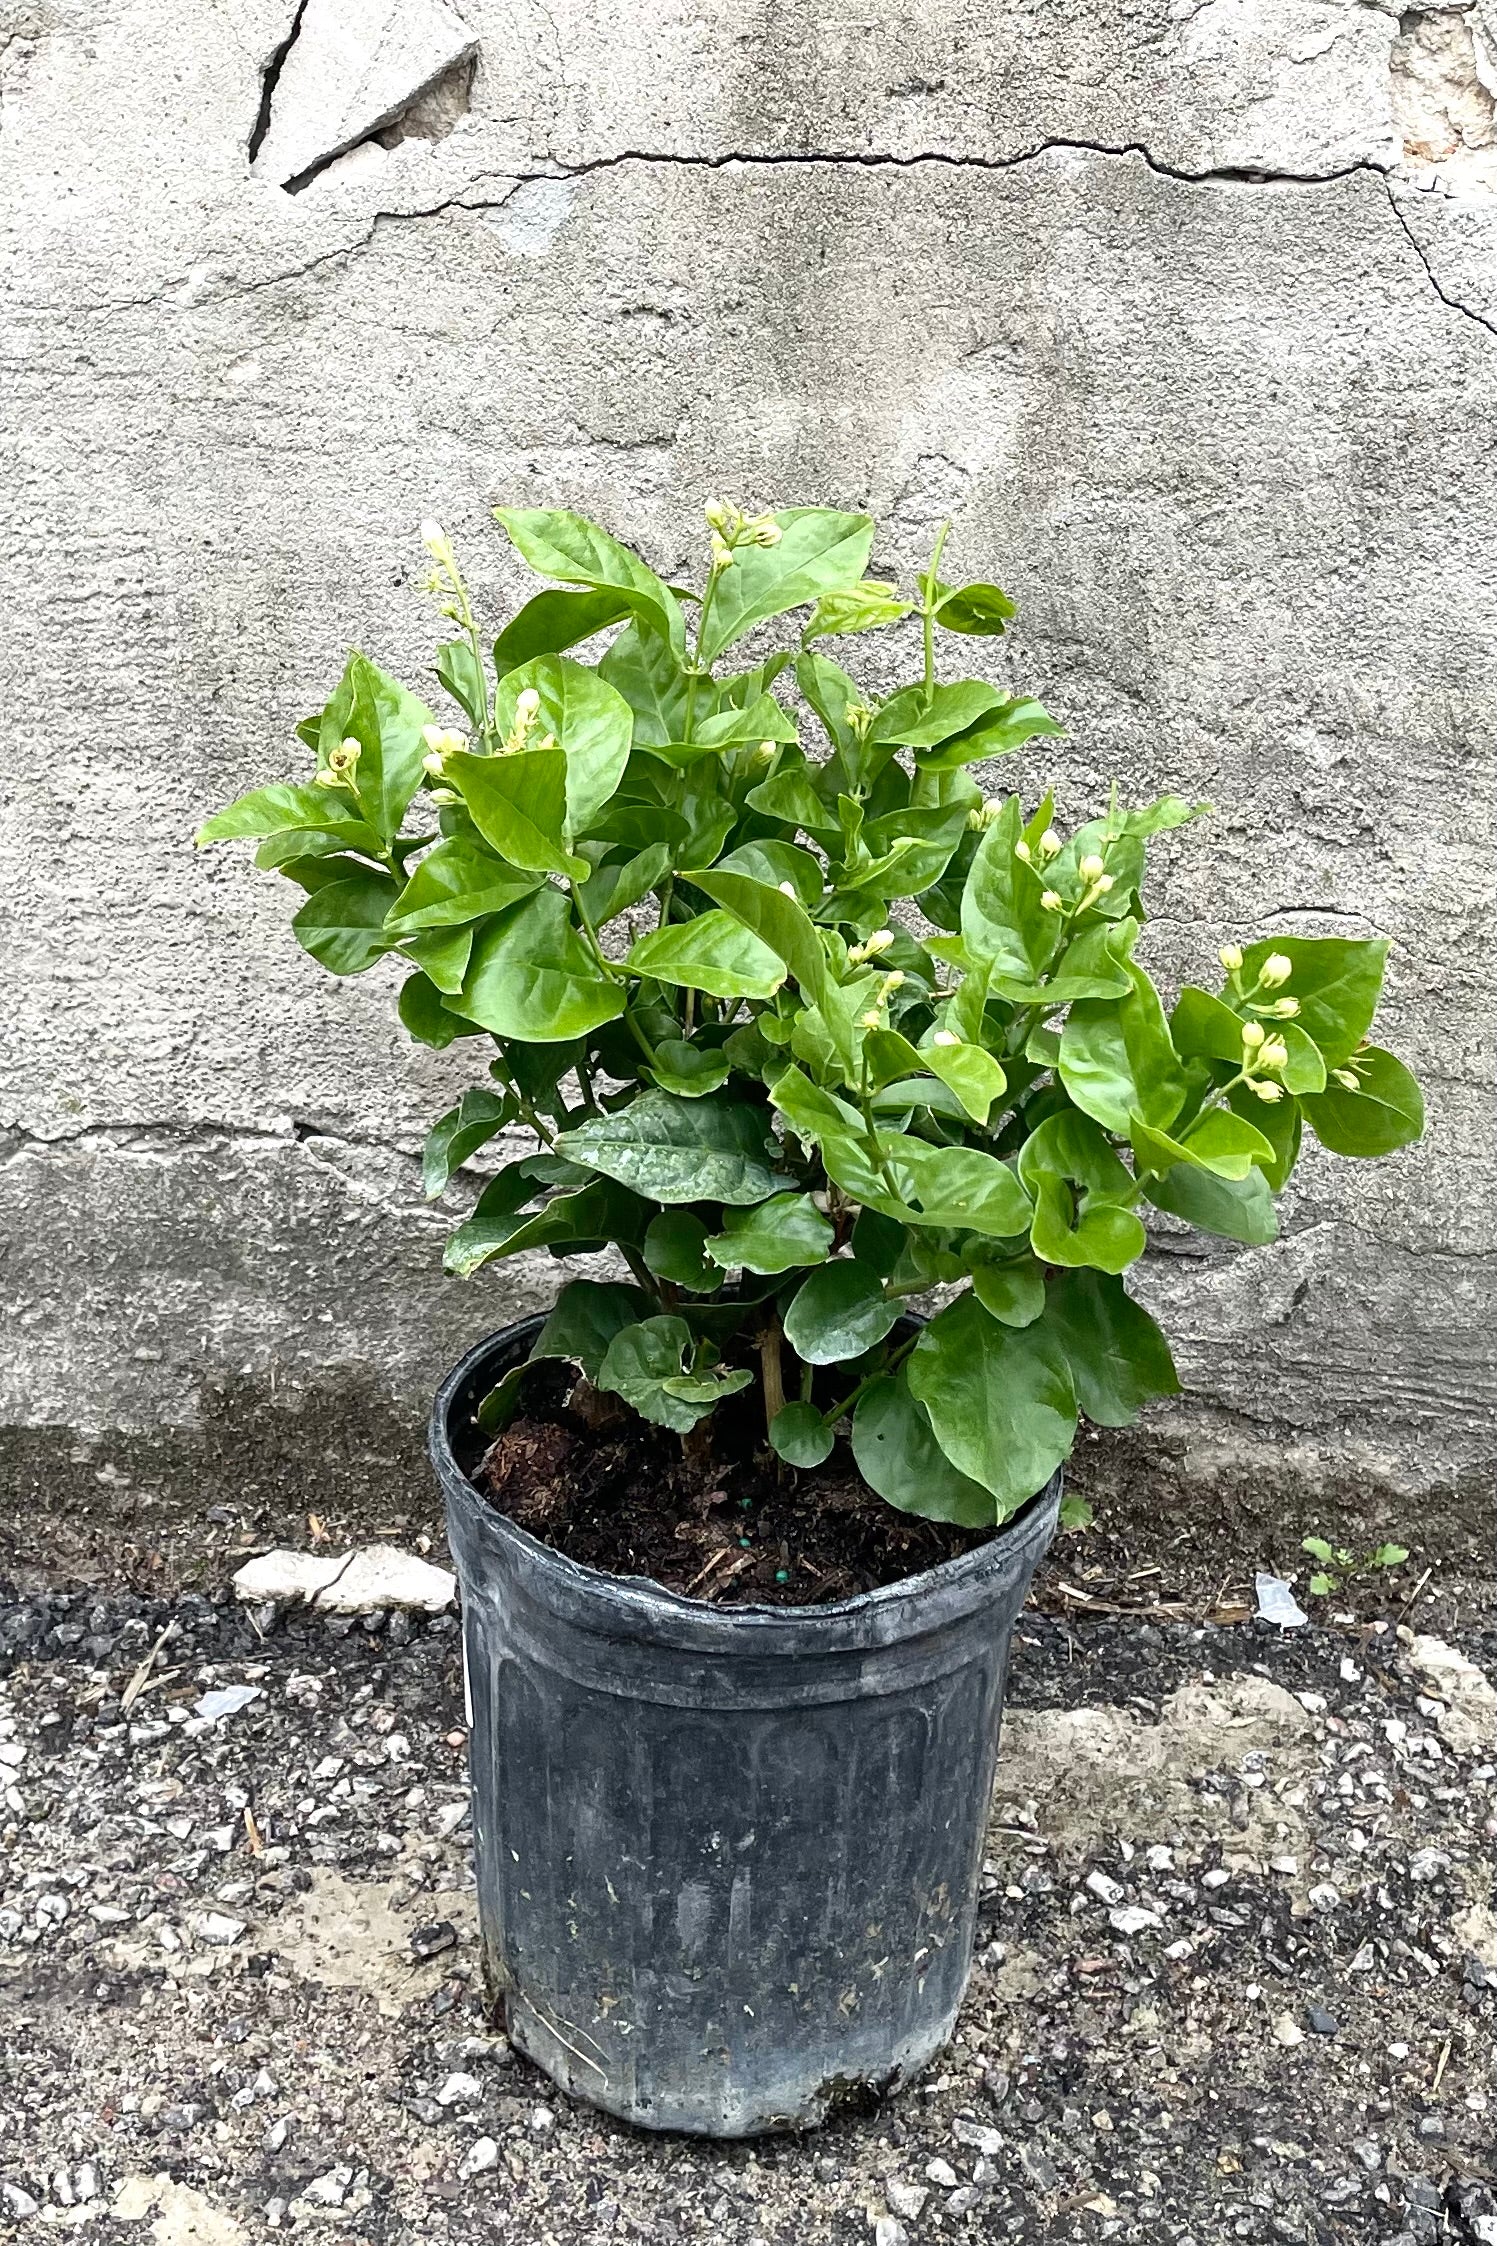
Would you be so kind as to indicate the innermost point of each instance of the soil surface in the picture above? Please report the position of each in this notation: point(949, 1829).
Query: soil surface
point(726, 1522)
point(1236, 1974)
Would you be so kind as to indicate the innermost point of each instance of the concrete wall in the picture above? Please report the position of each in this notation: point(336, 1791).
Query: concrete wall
point(1186, 313)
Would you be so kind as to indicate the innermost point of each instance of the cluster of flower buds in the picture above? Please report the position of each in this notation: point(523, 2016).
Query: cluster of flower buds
point(1094, 873)
point(338, 772)
point(1262, 1058)
point(871, 947)
point(1272, 975)
point(1348, 1081)
point(874, 1017)
point(730, 527)
point(527, 712)
point(1048, 847)
point(987, 814)
point(859, 718)
point(441, 743)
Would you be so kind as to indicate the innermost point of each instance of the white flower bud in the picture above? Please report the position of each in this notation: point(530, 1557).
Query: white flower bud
point(344, 757)
point(1285, 1009)
point(1268, 1092)
point(721, 515)
point(872, 1019)
point(433, 736)
point(1050, 844)
point(1102, 884)
point(433, 537)
point(765, 751)
point(1230, 956)
point(880, 940)
point(527, 705)
point(763, 531)
point(722, 552)
point(945, 1038)
point(1053, 901)
point(1347, 1082)
point(1253, 1034)
point(1272, 1053)
point(1276, 969)
point(1092, 868)
point(432, 765)
point(1022, 852)
point(443, 795)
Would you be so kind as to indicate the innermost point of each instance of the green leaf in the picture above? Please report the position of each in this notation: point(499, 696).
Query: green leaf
point(1093, 965)
point(478, 1117)
point(781, 1234)
point(819, 551)
point(592, 725)
point(1117, 1355)
point(1385, 1113)
point(375, 710)
point(462, 674)
point(499, 1406)
point(862, 608)
point(673, 1252)
point(424, 1016)
point(457, 882)
point(777, 920)
point(1003, 920)
point(1233, 1208)
point(898, 1456)
point(1000, 1399)
point(1206, 1028)
point(587, 1316)
point(1097, 1227)
point(533, 978)
point(611, 890)
point(283, 809)
point(971, 1072)
point(838, 1312)
point(561, 545)
point(689, 1070)
point(1117, 1060)
point(957, 1186)
point(998, 734)
point(1337, 981)
point(1221, 1141)
point(922, 717)
point(647, 671)
point(774, 862)
point(645, 1364)
point(800, 1435)
point(1013, 1293)
point(1318, 1549)
point(1388, 1556)
point(599, 1214)
point(443, 954)
point(551, 622)
point(714, 953)
point(343, 924)
point(519, 805)
point(677, 1150)
point(981, 610)
point(737, 726)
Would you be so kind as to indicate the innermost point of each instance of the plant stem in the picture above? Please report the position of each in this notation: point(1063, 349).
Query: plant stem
point(772, 1372)
point(896, 1357)
point(928, 606)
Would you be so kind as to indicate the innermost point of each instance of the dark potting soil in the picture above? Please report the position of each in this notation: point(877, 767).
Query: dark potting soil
point(724, 1521)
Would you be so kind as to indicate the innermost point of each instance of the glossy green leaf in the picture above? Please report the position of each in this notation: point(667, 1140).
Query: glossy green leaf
point(688, 1069)
point(1013, 1293)
point(478, 1117)
point(677, 1150)
point(1117, 1060)
point(1093, 965)
point(426, 1018)
point(1385, 1113)
point(587, 1316)
point(979, 610)
point(1003, 920)
point(565, 546)
point(1118, 1357)
point(592, 725)
point(971, 1072)
point(1221, 1141)
point(1003, 730)
point(519, 805)
point(441, 953)
point(610, 890)
point(673, 1251)
point(1337, 981)
point(778, 920)
point(862, 608)
point(897, 1454)
point(819, 552)
point(283, 809)
point(456, 882)
point(774, 862)
point(714, 953)
point(646, 1365)
point(462, 674)
point(532, 976)
point(387, 721)
point(838, 1312)
point(780, 1234)
point(1233, 1208)
point(800, 1435)
point(343, 924)
point(957, 1186)
point(646, 669)
point(1000, 1398)
point(500, 1226)
point(549, 623)
point(1082, 1193)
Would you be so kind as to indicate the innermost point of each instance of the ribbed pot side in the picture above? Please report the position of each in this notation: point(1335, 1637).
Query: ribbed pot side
point(727, 1858)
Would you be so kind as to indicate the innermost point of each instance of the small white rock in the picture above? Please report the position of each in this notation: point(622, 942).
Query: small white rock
point(482, 2155)
point(887, 2231)
point(542, 2120)
point(1325, 1896)
point(1133, 1919)
point(276, 2135)
point(1288, 1865)
point(1286, 2030)
point(942, 2173)
point(987, 2142)
point(18, 2203)
point(1106, 1890)
point(217, 1928)
point(1218, 1876)
point(460, 2090)
point(906, 2199)
point(331, 2188)
point(379, 1575)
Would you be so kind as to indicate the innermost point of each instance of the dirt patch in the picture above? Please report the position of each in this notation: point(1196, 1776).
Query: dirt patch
point(183, 2217)
point(347, 1934)
point(721, 1521)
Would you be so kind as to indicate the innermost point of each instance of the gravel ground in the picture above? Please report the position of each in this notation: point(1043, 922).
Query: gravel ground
point(1237, 1970)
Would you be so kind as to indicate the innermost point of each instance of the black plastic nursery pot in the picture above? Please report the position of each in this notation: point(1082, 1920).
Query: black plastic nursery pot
point(727, 1858)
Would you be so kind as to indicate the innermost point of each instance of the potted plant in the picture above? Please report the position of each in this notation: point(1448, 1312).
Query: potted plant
point(799, 1027)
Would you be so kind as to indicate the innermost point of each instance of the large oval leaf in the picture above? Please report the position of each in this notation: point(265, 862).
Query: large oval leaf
point(1117, 1059)
point(1384, 1113)
point(781, 1234)
point(519, 805)
point(343, 924)
point(898, 1455)
point(592, 724)
point(458, 881)
point(1117, 1355)
point(1336, 979)
point(714, 953)
point(533, 978)
point(819, 551)
point(1000, 1398)
point(566, 546)
point(838, 1312)
point(677, 1150)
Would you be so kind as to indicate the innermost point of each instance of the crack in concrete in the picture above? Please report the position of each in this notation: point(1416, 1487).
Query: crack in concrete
point(1455, 303)
point(269, 80)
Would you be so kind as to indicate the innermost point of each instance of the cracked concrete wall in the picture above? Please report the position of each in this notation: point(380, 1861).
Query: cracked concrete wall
point(1188, 316)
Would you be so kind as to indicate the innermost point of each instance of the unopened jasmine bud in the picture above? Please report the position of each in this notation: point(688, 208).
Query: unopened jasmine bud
point(880, 940)
point(527, 705)
point(992, 811)
point(765, 751)
point(945, 1038)
point(763, 531)
point(1273, 1053)
point(872, 1019)
point(1285, 1009)
point(433, 736)
point(1268, 1092)
point(894, 981)
point(443, 795)
point(434, 538)
point(1101, 885)
point(722, 552)
point(1230, 956)
point(1276, 969)
point(787, 888)
point(1253, 1034)
point(432, 765)
point(1022, 851)
point(1053, 901)
point(1347, 1082)
point(1050, 844)
point(1092, 868)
